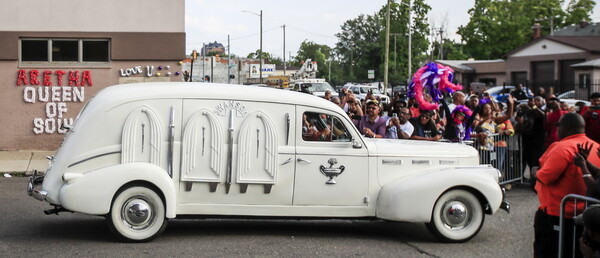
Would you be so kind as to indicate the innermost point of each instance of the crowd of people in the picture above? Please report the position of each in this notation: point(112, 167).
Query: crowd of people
point(472, 116)
point(560, 145)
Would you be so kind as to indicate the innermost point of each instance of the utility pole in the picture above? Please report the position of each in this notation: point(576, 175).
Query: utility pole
point(228, 59)
point(203, 54)
point(260, 52)
point(395, 52)
point(261, 39)
point(441, 54)
point(387, 48)
point(283, 49)
point(409, 39)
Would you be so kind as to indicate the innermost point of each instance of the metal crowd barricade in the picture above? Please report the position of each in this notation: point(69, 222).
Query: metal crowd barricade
point(575, 198)
point(504, 153)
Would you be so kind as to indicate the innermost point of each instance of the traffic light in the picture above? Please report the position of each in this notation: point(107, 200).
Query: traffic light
point(194, 55)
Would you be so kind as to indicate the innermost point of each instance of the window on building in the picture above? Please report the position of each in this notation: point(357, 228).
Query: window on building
point(95, 51)
point(65, 50)
point(34, 50)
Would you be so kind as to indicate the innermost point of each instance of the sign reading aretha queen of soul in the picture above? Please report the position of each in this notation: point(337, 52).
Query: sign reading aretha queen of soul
point(54, 95)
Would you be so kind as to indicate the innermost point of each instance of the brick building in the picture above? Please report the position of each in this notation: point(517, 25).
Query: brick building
point(56, 55)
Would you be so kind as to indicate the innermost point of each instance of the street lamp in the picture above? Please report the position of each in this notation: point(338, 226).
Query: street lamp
point(260, 50)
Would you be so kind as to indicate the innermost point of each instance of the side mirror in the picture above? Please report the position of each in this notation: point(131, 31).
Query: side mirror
point(356, 144)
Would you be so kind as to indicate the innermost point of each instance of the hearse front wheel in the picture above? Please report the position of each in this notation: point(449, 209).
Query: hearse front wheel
point(457, 217)
point(137, 214)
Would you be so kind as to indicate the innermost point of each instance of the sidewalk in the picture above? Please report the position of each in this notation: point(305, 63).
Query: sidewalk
point(23, 161)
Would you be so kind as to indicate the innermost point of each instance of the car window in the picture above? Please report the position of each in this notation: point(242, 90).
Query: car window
point(323, 127)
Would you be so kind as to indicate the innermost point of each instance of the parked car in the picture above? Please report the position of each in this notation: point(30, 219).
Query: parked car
point(360, 91)
point(500, 93)
point(317, 87)
point(569, 98)
point(141, 154)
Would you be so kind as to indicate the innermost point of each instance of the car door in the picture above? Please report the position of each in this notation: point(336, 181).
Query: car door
point(329, 170)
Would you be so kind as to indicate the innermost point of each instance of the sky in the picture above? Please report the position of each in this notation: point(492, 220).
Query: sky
point(313, 20)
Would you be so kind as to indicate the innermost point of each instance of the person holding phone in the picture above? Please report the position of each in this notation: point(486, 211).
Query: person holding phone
point(371, 125)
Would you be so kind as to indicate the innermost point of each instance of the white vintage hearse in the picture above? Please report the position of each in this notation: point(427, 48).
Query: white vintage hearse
point(141, 154)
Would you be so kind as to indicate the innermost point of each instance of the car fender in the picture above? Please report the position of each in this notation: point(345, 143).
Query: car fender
point(412, 198)
point(93, 192)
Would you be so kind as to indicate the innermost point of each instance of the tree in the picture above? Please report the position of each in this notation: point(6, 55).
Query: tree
point(452, 50)
point(267, 57)
point(361, 42)
point(358, 47)
point(316, 52)
point(419, 38)
point(497, 27)
point(579, 10)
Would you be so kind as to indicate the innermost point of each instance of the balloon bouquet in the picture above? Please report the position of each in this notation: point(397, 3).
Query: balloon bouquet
point(434, 79)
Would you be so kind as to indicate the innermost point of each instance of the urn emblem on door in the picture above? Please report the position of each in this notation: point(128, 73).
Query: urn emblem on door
point(331, 172)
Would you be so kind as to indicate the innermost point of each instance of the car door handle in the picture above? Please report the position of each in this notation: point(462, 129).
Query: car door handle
point(286, 162)
point(303, 160)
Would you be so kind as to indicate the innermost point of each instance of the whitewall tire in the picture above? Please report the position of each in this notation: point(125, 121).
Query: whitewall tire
point(457, 216)
point(137, 214)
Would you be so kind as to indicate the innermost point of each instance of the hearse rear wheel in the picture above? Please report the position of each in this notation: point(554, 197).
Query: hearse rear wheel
point(137, 214)
point(457, 217)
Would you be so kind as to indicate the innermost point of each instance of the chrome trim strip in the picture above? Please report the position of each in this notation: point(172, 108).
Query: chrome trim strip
point(421, 162)
point(93, 157)
point(229, 153)
point(287, 135)
point(447, 162)
point(392, 162)
point(171, 142)
point(286, 162)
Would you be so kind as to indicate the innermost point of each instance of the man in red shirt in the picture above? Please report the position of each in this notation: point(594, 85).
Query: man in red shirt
point(591, 114)
point(557, 177)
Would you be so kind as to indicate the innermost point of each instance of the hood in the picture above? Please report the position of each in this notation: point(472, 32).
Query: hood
point(416, 148)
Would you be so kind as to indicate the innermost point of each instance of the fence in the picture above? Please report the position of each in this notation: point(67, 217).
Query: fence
point(504, 153)
point(575, 199)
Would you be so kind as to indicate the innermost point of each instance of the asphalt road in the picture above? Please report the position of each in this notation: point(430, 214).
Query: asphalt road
point(25, 231)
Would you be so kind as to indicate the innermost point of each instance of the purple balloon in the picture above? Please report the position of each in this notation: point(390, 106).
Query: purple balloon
point(176, 73)
point(160, 67)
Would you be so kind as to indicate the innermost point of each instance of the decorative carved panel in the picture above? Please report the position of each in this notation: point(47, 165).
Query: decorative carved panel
point(141, 137)
point(202, 145)
point(257, 150)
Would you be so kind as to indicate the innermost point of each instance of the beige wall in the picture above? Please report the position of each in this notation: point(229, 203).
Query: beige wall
point(17, 116)
point(86, 15)
point(141, 34)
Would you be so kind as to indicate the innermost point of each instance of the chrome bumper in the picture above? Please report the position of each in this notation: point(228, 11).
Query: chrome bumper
point(504, 205)
point(35, 181)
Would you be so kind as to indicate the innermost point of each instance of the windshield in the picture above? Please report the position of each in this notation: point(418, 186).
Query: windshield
point(366, 90)
point(320, 86)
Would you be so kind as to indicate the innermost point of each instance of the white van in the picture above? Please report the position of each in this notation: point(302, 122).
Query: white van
point(141, 154)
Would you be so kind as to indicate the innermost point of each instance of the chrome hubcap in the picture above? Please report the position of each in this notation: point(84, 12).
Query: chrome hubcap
point(137, 213)
point(455, 215)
